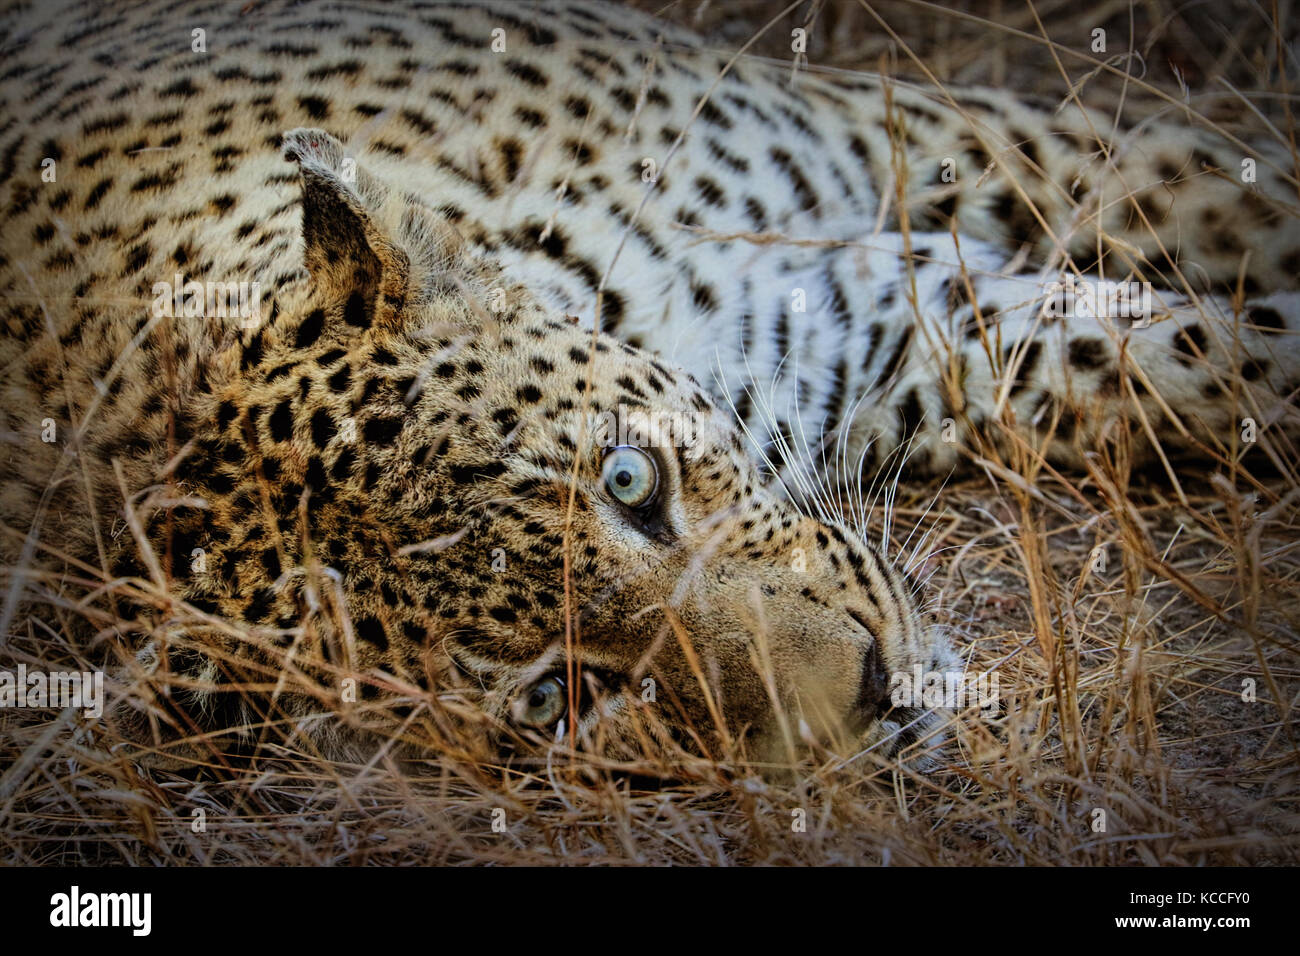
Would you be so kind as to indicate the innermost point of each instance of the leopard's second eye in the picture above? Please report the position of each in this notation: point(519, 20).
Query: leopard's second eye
point(631, 476)
point(543, 704)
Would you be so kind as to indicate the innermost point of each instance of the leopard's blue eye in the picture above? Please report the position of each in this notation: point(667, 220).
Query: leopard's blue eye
point(631, 476)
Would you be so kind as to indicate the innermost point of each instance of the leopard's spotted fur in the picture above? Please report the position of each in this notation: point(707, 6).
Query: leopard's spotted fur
point(378, 474)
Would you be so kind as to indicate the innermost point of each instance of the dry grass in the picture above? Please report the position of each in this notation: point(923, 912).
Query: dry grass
point(1122, 614)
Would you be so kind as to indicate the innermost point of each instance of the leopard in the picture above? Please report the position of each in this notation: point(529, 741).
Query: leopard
point(548, 319)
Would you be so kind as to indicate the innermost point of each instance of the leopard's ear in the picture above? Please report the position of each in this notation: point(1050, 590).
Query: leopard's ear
point(377, 251)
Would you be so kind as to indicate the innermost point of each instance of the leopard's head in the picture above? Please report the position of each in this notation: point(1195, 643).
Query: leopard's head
point(471, 466)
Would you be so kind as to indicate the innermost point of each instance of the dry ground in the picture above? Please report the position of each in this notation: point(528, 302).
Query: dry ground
point(1126, 614)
